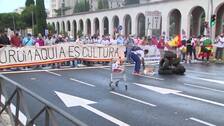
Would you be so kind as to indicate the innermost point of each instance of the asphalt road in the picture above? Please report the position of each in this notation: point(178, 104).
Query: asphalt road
point(194, 99)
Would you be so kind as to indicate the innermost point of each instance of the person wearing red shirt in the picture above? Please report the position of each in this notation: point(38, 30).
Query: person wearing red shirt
point(15, 40)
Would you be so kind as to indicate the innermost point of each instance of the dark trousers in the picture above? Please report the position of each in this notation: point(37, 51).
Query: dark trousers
point(137, 61)
point(218, 53)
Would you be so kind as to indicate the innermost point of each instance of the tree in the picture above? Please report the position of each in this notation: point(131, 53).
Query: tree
point(29, 3)
point(81, 6)
point(11, 20)
point(103, 4)
point(27, 14)
point(41, 16)
point(51, 29)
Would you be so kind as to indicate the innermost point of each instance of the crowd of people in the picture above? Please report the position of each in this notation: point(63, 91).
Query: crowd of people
point(188, 50)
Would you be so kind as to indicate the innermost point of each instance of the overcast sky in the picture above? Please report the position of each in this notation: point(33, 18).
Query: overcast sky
point(11, 5)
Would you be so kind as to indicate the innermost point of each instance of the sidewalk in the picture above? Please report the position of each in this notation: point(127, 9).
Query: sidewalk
point(5, 120)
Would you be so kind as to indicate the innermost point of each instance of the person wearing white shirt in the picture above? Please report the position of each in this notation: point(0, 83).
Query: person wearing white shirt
point(220, 46)
point(137, 55)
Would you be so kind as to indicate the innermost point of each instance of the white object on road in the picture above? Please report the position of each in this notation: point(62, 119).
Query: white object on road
point(71, 101)
point(178, 93)
point(202, 122)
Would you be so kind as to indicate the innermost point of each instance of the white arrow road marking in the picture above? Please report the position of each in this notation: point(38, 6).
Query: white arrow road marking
point(202, 87)
point(134, 99)
point(209, 80)
point(72, 79)
point(53, 73)
point(158, 89)
point(104, 115)
point(175, 92)
point(150, 77)
point(202, 122)
point(71, 101)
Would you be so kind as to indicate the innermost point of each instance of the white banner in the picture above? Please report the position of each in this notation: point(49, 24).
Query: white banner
point(32, 55)
point(153, 56)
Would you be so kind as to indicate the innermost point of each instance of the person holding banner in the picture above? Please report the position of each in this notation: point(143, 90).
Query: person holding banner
point(137, 55)
point(28, 41)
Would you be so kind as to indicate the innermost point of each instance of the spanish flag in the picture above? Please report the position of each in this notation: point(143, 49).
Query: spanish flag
point(176, 42)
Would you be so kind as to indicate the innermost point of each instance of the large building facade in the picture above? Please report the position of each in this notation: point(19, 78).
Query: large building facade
point(185, 17)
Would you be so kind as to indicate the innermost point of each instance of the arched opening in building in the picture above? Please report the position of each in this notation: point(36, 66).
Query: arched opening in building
point(74, 29)
point(141, 25)
point(58, 28)
point(127, 25)
point(115, 21)
point(96, 26)
point(88, 28)
point(54, 28)
point(81, 26)
point(219, 28)
point(197, 20)
point(105, 26)
point(63, 27)
point(68, 26)
point(174, 23)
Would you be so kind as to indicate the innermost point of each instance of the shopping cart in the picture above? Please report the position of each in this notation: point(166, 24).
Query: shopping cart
point(117, 75)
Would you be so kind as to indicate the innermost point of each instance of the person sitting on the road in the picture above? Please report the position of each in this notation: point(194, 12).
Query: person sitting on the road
point(170, 64)
point(137, 55)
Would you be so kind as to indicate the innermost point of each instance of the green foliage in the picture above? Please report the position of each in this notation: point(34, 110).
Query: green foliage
point(103, 4)
point(27, 15)
point(7, 20)
point(41, 16)
point(29, 3)
point(81, 6)
point(51, 28)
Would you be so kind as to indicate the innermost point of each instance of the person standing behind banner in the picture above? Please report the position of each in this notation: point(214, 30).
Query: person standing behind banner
point(28, 41)
point(161, 46)
point(129, 45)
point(15, 40)
point(4, 40)
point(39, 41)
point(137, 55)
point(220, 45)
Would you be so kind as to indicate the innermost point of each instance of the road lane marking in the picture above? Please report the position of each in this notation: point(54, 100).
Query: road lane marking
point(33, 78)
point(202, 87)
point(151, 77)
point(209, 80)
point(106, 68)
point(202, 122)
point(200, 99)
point(104, 115)
point(53, 73)
point(72, 79)
point(134, 99)
point(166, 91)
point(72, 101)
point(198, 72)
